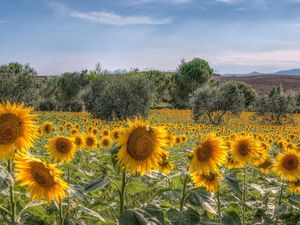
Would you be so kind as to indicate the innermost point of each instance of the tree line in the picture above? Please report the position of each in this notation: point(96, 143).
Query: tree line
point(117, 96)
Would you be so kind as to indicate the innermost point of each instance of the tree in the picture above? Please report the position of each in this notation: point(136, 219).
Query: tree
point(119, 97)
point(275, 107)
point(212, 102)
point(18, 83)
point(189, 76)
point(249, 93)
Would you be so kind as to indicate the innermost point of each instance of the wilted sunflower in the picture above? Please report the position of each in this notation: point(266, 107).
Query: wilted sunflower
point(17, 128)
point(245, 150)
point(105, 142)
point(141, 147)
point(90, 141)
point(287, 165)
point(208, 155)
point(43, 180)
point(295, 186)
point(165, 166)
point(209, 181)
point(61, 149)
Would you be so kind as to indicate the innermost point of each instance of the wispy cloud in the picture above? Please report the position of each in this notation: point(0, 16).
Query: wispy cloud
point(226, 1)
point(139, 2)
point(110, 18)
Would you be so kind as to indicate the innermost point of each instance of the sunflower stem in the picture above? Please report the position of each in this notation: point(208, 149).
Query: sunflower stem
point(279, 200)
point(183, 193)
point(122, 193)
point(219, 203)
point(11, 193)
point(244, 197)
point(61, 214)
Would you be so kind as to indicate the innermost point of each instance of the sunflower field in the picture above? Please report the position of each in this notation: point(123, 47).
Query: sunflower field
point(69, 168)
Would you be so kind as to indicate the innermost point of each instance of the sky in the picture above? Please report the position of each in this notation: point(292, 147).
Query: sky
point(234, 36)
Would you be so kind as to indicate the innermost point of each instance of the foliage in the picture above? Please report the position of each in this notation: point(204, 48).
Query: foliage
point(189, 76)
point(249, 93)
point(213, 101)
point(275, 106)
point(119, 96)
point(18, 83)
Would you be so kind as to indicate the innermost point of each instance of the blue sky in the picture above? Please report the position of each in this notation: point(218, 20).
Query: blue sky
point(70, 35)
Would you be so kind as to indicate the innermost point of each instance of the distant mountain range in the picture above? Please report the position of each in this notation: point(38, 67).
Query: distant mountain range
point(291, 72)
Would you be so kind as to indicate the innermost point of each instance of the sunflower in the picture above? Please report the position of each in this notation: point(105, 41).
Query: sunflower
point(141, 147)
point(61, 148)
point(287, 165)
point(266, 166)
point(43, 180)
point(208, 155)
point(115, 134)
point(209, 181)
point(295, 186)
point(73, 131)
point(165, 166)
point(90, 141)
point(47, 127)
point(105, 132)
point(245, 150)
point(78, 140)
point(17, 128)
point(105, 142)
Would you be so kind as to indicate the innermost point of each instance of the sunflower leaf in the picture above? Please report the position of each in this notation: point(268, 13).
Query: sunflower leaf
point(95, 185)
point(232, 182)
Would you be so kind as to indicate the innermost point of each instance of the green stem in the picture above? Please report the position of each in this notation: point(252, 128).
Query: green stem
point(11, 193)
point(122, 193)
point(244, 197)
point(219, 203)
point(61, 214)
point(280, 200)
point(183, 193)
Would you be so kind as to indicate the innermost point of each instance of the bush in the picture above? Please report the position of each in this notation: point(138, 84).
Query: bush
point(212, 102)
point(275, 107)
point(47, 106)
point(189, 77)
point(76, 106)
point(119, 97)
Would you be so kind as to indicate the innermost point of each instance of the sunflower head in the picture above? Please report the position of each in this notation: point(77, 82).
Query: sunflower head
point(287, 165)
point(115, 134)
point(105, 142)
point(47, 127)
point(43, 180)
point(17, 128)
point(61, 148)
point(209, 181)
point(165, 166)
point(141, 147)
point(90, 142)
point(78, 140)
point(295, 186)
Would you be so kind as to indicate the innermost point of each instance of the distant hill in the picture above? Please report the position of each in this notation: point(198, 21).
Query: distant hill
point(264, 83)
point(291, 72)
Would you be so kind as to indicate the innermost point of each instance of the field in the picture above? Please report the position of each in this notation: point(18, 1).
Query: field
point(264, 83)
point(102, 192)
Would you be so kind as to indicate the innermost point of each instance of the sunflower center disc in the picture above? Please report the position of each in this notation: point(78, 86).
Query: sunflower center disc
point(10, 129)
point(210, 177)
point(41, 174)
point(140, 144)
point(290, 162)
point(243, 149)
point(77, 141)
point(205, 152)
point(90, 141)
point(63, 145)
point(105, 142)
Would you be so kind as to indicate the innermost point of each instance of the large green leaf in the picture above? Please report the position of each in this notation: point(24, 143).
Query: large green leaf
point(190, 216)
point(198, 197)
point(96, 184)
point(280, 210)
point(295, 199)
point(134, 217)
point(155, 212)
point(232, 182)
point(231, 218)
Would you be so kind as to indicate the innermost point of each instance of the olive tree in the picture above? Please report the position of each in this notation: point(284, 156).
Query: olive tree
point(118, 96)
point(212, 102)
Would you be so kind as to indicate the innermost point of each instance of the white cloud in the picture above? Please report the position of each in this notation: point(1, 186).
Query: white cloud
point(226, 1)
point(110, 18)
point(138, 2)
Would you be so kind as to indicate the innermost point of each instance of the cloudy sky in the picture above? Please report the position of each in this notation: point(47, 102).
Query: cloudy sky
point(70, 35)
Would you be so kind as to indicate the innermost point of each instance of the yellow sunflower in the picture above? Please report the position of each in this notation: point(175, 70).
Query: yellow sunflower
point(78, 140)
point(287, 165)
point(115, 134)
point(43, 180)
point(266, 166)
point(141, 147)
point(61, 149)
point(295, 186)
point(245, 150)
point(17, 128)
point(105, 142)
point(90, 141)
point(208, 155)
point(209, 181)
point(165, 166)
point(47, 127)
point(105, 131)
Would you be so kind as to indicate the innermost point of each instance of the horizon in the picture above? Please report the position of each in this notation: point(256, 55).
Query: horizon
point(234, 36)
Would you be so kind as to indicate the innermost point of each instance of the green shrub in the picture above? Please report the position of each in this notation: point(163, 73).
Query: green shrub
point(47, 106)
point(118, 97)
